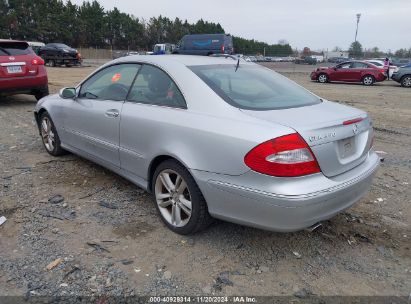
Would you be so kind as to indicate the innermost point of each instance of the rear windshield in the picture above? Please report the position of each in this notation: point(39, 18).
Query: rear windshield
point(14, 48)
point(254, 87)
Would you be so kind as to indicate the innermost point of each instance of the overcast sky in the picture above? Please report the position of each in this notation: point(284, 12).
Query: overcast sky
point(318, 24)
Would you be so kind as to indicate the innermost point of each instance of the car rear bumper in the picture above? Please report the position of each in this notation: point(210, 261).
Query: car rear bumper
point(23, 84)
point(286, 204)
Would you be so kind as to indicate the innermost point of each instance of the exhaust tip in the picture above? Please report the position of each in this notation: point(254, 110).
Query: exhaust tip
point(313, 227)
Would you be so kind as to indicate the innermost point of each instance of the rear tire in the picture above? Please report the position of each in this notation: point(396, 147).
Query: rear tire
point(322, 78)
point(41, 93)
point(49, 136)
point(406, 81)
point(368, 80)
point(52, 63)
point(178, 199)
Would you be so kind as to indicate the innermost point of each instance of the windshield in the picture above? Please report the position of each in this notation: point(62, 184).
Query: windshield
point(254, 87)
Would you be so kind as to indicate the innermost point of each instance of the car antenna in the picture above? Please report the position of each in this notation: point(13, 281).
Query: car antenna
point(238, 64)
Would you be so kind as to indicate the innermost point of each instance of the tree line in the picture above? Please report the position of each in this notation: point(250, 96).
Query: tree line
point(356, 50)
point(90, 25)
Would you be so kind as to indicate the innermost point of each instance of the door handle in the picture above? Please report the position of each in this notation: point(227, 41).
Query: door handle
point(112, 113)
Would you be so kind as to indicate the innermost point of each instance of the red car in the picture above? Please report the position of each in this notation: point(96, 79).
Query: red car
point(352, 71)
point(21, 70)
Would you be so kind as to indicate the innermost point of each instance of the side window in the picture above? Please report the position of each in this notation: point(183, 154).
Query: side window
point(154, 86)
point(112, 83)
point(359, 65)
point(344, 66)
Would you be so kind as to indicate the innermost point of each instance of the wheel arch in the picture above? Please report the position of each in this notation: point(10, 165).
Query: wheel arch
point(155, 162)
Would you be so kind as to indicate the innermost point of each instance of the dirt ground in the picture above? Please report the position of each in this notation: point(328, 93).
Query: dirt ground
point(125, 250)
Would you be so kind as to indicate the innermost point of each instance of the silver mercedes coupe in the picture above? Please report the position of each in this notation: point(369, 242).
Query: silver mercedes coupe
point(215, 138)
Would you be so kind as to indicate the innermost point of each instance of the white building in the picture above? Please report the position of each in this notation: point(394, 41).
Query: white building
point(331, 54)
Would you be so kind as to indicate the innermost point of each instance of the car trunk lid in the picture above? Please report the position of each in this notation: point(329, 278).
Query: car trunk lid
point(339, 136)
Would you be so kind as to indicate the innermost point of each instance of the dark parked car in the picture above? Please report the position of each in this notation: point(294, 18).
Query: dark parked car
point(205, 44)
point(400, 62)
point(403, 76)
point(59, 54)
point(352, 71)
point(21, 70)
point(306, 60)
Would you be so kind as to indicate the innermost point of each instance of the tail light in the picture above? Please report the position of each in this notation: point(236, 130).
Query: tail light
point(287, 155)
point(352, 121)
point(37, 61)
point(222, 49)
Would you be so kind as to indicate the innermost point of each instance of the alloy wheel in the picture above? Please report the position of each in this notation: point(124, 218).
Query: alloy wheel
point(173, 198)
point(406, 82)
point(322, 78)
point(368, 80)
point(47, 134)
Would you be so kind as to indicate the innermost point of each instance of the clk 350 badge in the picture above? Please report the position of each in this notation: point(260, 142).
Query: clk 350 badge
point(320, 137)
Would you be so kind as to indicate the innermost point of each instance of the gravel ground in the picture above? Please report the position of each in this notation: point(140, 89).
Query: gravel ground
point(105, 238)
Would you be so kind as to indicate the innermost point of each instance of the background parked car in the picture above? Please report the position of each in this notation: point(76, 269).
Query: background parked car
point(401, 62)
point(306, 60)
point(21, 70)
point(380, 64)
point(58, 54)
point(205, 44)
point(403, 76)
point(352, 71)
point(36, 46)
point(338, 59)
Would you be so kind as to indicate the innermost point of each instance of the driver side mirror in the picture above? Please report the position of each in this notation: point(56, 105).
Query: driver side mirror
point(67, 93)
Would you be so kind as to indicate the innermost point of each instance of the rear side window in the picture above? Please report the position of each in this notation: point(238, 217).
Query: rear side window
point(14, 48)
point(359, 65)
point(254, 87)
point(154, 86)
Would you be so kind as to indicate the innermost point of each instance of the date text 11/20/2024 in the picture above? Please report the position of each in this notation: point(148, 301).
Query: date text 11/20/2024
point(202, 299)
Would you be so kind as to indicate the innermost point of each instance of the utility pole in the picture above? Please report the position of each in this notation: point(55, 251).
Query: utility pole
point(356, 31)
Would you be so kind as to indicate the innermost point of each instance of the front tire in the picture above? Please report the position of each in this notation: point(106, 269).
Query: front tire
point(322, 78)
point(406, 81)
point(178, 199)
point(368, 80)
point(49, 136)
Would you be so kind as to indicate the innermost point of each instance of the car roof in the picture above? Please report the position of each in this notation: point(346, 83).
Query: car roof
point(13, 41)
point(187, 60)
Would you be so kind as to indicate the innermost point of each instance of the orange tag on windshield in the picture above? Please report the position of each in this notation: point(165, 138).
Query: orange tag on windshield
point(116, 77)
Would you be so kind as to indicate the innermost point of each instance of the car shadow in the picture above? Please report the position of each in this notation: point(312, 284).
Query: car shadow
point(17, 101)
